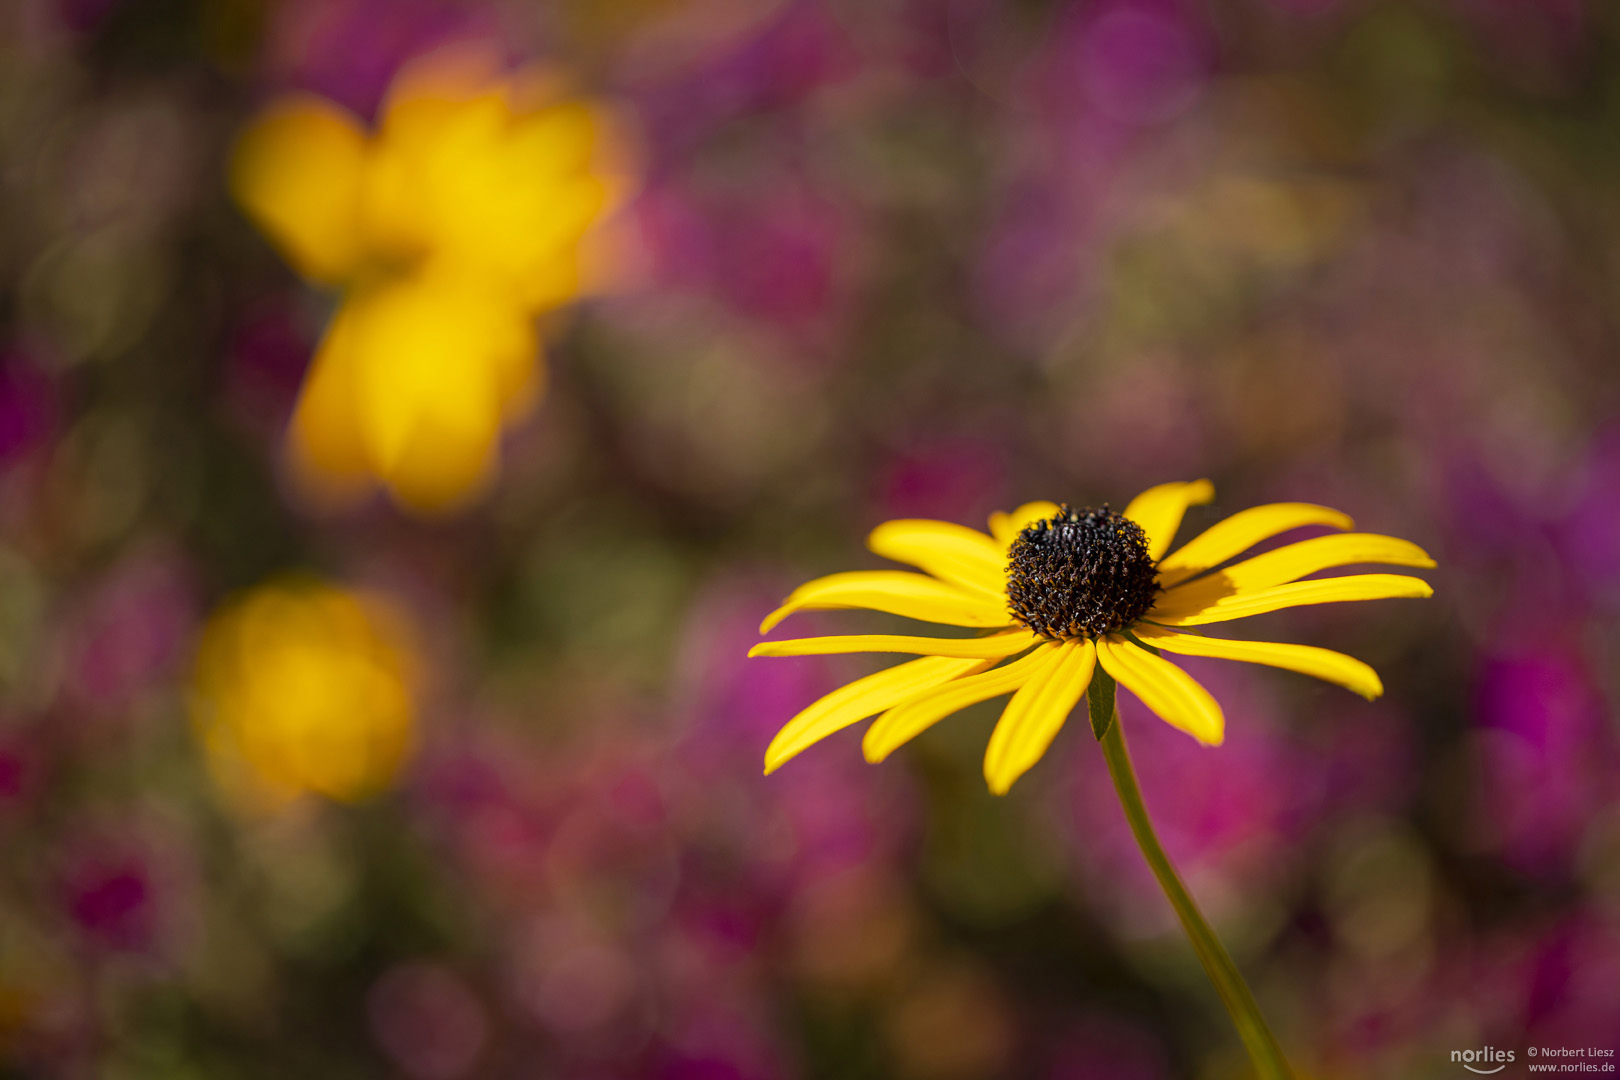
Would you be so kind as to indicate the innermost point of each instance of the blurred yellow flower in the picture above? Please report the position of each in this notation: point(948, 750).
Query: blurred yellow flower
point(302, 687)
point(465, 214)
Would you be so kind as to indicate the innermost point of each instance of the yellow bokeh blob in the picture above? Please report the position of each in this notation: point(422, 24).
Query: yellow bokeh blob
point(304, 688)
point(469, 211)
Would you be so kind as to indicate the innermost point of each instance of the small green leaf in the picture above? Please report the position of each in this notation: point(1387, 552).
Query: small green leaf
point(1100, 697)
point(1139, 643)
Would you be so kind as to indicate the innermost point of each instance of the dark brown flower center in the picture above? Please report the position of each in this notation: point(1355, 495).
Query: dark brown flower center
point(1082, 573)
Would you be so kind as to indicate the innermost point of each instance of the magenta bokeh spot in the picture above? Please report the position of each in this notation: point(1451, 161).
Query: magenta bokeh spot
point(28, 407)
point(112, 903)
point(1141, 65)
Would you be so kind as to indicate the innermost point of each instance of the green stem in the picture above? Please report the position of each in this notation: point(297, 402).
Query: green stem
point(1240, 1004)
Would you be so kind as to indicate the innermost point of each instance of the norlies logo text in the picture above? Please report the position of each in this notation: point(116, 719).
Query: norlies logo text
point(1487, 1055)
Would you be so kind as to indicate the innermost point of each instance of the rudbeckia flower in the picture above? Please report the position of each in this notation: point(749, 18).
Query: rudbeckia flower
point(1057, 591)
point(447, 229)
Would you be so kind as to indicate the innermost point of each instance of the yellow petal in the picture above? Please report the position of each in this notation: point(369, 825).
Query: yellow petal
point(439, 142)
point(1174, 695)
point(1006, 527)
point(471, 164)
point(996, 646)
point(1239, 533)
point(510, 203)
point(1159, 510)
point(916, 596)
point(324, 448)
point(861, 699)
point(1292, 563)
point(563, 160)
point(950, 552)
point(916, 714)
point(1036, 713)
point(1326, 664)
point(438, 356)
point(297, 171)
point(1323, 591)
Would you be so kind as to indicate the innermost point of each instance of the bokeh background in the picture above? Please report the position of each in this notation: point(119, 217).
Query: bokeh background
point(293, 786)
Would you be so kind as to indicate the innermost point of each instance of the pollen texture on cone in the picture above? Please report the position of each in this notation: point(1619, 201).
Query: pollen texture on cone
point(1081, 573)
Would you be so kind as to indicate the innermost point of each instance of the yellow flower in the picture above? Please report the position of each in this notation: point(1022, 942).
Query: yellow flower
point(301, 687)
point(1060, 590)
point(448, 229)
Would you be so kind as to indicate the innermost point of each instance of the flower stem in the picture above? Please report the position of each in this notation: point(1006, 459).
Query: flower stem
point(1267, 1056)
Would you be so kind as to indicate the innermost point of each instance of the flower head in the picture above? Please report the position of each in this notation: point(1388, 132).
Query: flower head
point(1059, 591)
point(448, 229)
point(305, 688)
